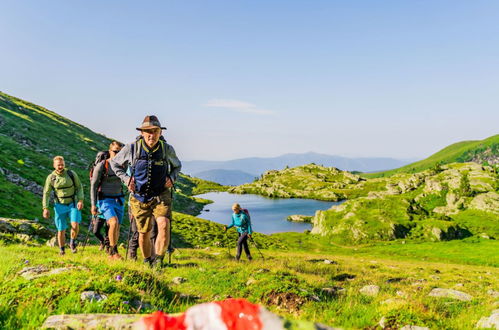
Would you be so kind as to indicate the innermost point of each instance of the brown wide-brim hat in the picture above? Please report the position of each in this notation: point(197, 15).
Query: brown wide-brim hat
point(150, 122)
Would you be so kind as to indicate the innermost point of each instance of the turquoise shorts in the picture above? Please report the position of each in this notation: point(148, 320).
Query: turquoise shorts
point(63, 212)
point(112, 207)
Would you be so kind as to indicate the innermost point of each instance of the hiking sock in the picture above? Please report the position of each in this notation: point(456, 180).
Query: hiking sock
point(113, 250)
point(62, 249)
point(72, 242)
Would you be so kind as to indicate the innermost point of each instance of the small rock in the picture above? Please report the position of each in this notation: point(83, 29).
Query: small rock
point(449, 293)
point(435, 277)
point(494, 294)
point(459, 285)
point(140, 305)
point(30, 273)
point(251, 281)
point(262, 270)
point(370, 290)
point(315, 298)
point(402, 294)
point(382, 322)
point(394, 280)
point(179, 280)
point(489, 322)
point(92, 296)
point(52, 242)
point(413, 327)
point(334, 291)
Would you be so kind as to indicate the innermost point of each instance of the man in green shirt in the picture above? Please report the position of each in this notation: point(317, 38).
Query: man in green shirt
point(68, 202)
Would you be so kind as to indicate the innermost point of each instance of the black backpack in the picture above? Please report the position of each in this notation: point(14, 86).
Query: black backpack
point(101, 155)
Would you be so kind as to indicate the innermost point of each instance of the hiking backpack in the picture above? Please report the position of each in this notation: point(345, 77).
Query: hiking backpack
point(52, 183)
point(101, 155)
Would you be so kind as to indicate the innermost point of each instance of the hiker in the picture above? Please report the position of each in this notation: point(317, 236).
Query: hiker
point(68, 202)
point(107, 198)
point(99, 222)
point(154, 169)
point(241, 220)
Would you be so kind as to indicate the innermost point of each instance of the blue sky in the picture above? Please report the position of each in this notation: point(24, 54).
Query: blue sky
point(235, 79)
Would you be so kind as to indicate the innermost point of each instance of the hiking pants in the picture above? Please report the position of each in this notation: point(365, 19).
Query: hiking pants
point(242, 242)
point(97, 225)
point(133, 244)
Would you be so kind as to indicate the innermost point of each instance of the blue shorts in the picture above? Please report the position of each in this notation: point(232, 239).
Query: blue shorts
point(63, 212)
point(112, 207)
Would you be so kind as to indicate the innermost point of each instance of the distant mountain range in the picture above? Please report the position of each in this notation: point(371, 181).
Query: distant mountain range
point(244, 170)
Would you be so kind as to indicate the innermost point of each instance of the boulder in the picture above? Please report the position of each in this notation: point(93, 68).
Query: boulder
point(489, 322)
point(92, 296)
point(370, 290)
point(449, 293)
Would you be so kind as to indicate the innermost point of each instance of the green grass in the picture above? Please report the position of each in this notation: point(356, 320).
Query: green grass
point(457, 152)
point(294, 276)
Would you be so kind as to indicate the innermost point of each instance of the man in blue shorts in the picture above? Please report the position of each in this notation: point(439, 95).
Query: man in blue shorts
point(68, 202)
point(107, 198)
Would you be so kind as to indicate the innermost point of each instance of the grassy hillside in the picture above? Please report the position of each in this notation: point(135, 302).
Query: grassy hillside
point(461, 152)
point(31, 136)
point(297, 284)
point(310, 181)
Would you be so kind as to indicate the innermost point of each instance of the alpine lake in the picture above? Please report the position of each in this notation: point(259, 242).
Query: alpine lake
point(268, 215)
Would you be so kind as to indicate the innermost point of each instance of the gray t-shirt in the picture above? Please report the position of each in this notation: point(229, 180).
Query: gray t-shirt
point(110, 184)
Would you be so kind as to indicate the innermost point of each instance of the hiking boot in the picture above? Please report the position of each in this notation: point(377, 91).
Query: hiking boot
point(62, 252)
point(115, 256)
point(108, 249)
point(148, 262)
point(157, 262)
point(102, 246)
point(132, 256)
point(73, 248)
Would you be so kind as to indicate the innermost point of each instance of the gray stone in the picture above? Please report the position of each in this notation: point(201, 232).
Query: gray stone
point(30, 273)
point(92, 296)
point(449, 293)
point(179, 280)
point(413, 327)
point(489, 322)
point(251, 281)
point(493, 293)
point(370, 290)
point(330, 262)
point(52, 242)
point(91, 321)
point(334, 291)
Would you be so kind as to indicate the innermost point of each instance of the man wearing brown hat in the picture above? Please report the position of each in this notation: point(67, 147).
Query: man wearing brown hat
point(154, 168)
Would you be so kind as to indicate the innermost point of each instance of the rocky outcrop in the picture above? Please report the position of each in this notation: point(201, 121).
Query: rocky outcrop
point(299, 218)
point(488, 202)
point(24, 230)
point(18, 180)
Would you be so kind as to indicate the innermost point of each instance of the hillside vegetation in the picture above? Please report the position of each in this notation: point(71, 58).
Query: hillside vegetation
point(481, 151)
point(31, 136)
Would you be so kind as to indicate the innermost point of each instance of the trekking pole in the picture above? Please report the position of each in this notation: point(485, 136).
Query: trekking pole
point(257, 248)
point(85, 242)
point(228, 243)
point(170, 245)
point(130, 219)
